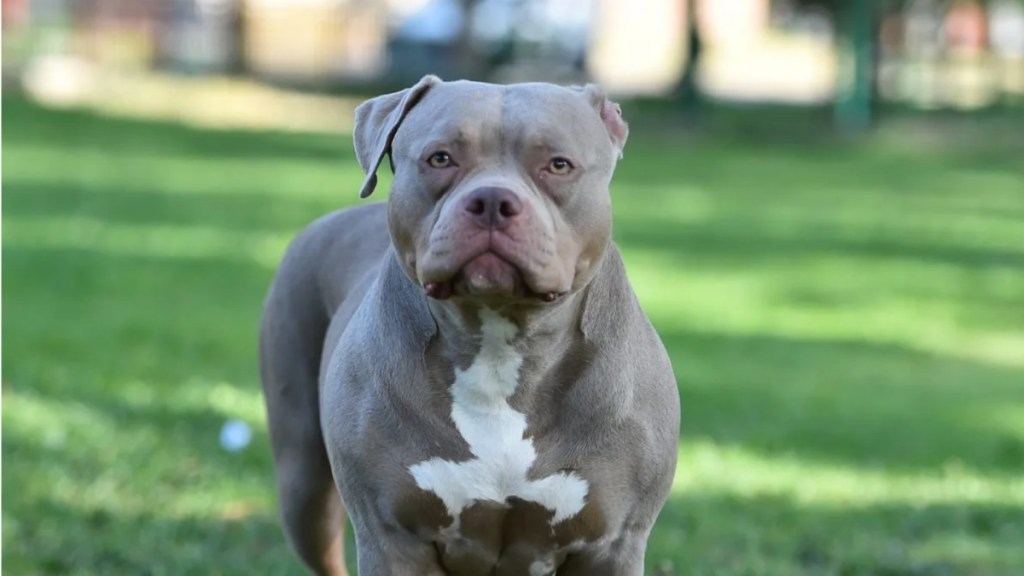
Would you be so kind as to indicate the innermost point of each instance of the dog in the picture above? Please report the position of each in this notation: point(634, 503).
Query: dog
point(464, 371)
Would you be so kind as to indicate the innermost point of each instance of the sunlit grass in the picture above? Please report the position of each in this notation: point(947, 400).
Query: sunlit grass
point(718, 470)
point(846, 322)
point(852, 297)
point(154, 240)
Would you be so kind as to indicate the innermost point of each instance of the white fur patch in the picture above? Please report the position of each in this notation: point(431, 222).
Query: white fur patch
point(494, 432)
point(542, 568)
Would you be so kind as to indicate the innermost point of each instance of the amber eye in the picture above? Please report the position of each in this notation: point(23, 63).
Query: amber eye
point(440, 160)
point(559, 166)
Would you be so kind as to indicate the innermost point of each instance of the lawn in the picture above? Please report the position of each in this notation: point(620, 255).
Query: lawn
point(846, 321)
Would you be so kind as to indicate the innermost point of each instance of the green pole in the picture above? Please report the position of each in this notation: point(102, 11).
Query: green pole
point(853, 105)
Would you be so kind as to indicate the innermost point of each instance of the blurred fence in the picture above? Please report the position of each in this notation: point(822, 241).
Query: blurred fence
point(928, 53)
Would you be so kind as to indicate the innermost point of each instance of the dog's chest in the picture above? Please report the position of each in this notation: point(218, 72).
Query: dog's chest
point(497, 511)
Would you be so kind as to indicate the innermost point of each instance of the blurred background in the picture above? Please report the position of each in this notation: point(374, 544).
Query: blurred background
point(924, 54)
point(821, 207)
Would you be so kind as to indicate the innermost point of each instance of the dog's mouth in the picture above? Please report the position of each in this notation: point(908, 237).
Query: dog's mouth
point(487, 276)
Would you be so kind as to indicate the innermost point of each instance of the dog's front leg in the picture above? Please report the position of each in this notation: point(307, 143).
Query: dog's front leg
point(623, 557)
point(401, 556)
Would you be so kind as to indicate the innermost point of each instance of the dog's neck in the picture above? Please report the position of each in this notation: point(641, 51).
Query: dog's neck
point(535, 330)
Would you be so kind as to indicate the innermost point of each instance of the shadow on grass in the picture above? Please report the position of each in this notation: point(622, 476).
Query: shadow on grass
point(763, 172)
point(737, 241)
point(26, 123)
point(76, 312)
point(54, 538)
point(854, 404)
point(238, 211)
point(767, 535)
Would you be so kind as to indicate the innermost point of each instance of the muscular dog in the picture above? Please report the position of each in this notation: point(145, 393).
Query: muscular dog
point(466, 367)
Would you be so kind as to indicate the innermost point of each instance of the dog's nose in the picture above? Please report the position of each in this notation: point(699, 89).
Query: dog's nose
point(493, 207)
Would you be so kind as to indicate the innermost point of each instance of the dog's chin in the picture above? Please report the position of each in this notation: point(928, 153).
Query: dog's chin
point(489, 276)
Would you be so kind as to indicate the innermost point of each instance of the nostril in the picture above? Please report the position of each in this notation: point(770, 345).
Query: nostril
point(507, 209)
point(476, 206)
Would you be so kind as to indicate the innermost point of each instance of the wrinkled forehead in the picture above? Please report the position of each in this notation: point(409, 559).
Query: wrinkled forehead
point(517, 115)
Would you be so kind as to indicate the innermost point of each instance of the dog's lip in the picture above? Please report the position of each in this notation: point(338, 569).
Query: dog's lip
point(443, 288)
point(460, 277)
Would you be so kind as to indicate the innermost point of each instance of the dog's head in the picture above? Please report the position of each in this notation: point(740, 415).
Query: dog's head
point(500, 192)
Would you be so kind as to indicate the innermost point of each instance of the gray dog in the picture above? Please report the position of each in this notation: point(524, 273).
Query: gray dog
point(466, 366)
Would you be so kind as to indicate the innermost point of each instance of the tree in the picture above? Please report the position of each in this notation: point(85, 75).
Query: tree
point(687, 90)
point(857, 23)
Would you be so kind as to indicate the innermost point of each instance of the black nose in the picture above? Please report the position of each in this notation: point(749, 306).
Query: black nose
point(493, 207)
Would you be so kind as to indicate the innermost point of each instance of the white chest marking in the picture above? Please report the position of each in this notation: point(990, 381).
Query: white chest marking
point(494, 431)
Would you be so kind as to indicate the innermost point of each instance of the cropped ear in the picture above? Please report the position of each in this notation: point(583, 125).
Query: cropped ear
point(611, 115)
point(377, 121)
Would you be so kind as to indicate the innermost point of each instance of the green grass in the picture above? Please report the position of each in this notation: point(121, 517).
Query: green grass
point(846, 321)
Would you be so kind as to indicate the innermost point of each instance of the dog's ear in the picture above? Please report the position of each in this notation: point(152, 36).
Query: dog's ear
point(611, 115)
point(377, 121)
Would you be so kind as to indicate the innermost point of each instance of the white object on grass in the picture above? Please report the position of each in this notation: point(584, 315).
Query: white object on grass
point(235, 435)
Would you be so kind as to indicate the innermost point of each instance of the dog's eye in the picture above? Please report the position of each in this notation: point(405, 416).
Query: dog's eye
point(440, 160)
point(559, 166)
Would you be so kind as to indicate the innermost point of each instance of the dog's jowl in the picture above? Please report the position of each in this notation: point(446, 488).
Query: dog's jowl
point(464, 371)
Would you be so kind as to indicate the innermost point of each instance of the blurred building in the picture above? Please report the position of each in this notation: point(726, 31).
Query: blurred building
point(308, 40)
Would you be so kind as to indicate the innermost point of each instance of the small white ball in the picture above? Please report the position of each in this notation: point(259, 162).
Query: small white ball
point(235, 435)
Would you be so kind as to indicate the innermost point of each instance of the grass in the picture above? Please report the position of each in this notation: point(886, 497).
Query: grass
point(846, 321)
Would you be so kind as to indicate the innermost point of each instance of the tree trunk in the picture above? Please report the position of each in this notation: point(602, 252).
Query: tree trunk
point(688, 92)
point(470, 60)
